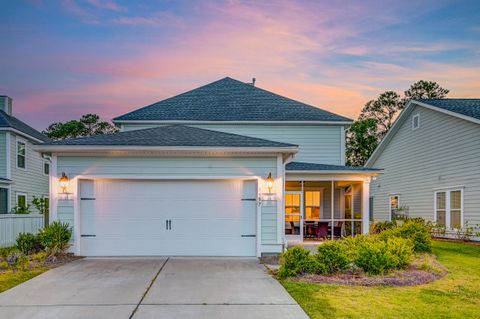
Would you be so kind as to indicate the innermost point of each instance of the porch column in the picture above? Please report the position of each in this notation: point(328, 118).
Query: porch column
point(366, 206)
point(333, 208)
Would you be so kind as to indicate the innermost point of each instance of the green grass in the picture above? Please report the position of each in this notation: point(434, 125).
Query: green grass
point(11, 279)
point(457, 295)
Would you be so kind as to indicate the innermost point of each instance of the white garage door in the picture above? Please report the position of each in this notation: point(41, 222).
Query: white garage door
point(168, 218)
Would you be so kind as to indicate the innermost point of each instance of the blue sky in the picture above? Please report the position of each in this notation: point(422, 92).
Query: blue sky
point(61, 59)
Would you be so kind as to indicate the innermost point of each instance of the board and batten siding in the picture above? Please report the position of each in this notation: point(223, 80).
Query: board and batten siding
point(443, 152)
point(321, 144)
point(161, 167)
point(31, 180)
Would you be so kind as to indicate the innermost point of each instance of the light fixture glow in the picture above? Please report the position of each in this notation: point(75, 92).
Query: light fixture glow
point(269, 182)
point(63, 182)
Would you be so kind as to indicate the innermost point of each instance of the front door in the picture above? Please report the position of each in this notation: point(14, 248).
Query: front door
point(294, 216)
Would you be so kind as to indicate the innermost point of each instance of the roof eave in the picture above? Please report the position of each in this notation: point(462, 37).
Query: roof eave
point(11, 129)
point(341, 172)
point(185, 122)
point(107, 148)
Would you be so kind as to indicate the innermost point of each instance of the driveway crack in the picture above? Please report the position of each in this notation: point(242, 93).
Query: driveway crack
point(148, 288)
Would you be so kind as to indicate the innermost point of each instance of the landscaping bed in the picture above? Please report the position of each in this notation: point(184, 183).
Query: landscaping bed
point(392, 255)
point(34, 254)
point(424, 269)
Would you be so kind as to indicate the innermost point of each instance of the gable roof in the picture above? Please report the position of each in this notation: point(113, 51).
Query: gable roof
point(230, 100)
point(466, 109)
point(11, 122)
point(172, 136)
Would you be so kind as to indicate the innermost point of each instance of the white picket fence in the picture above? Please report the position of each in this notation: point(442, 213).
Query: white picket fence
point(13, 224)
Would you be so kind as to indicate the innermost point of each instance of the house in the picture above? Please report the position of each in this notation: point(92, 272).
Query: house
point(227, 169)
point(431, 162)
point(24, 173)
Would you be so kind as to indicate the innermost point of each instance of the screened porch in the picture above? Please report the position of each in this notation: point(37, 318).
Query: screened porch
point(319, 210)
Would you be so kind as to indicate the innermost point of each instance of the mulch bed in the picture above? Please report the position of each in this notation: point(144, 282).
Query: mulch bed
point(409, 277)
point(48, 263)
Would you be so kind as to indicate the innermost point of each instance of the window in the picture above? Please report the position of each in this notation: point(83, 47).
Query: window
point(21, 154)
point(22, 200)
point(415, 121)
point(449, 208)
point(3, 200)
point(394, 205)
point(312, 205)
point(46, 168)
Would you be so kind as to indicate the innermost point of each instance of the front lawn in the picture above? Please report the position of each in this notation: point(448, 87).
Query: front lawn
point(455, 296)
point(11, 279)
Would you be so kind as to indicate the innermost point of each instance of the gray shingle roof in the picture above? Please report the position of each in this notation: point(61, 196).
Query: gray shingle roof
point(230, 100)
point(301, 166)
point(172, 136)
point(468, 107)
point(12, 122)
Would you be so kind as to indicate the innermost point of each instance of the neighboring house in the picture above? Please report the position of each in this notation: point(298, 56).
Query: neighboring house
point(431, 162)
point(24, 173)
point(227, 169)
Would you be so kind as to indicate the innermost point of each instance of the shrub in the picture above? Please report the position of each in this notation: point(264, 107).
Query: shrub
point(376, 256)
point(297, 261)
point(6, 251)
point(56, 237)
point(23, 210)
point(379, 227)
point(418, 232)
point(333, 257)
point(28, 243)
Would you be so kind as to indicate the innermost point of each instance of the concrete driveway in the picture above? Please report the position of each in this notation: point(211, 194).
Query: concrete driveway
point(152, 288)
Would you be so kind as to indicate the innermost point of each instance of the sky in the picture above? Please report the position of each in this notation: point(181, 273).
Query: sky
point(62, 59)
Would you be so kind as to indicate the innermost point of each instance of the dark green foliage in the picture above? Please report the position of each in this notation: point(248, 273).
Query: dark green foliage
point(88, 125)
point(296, 261)
point(333, 256)
point(28, 243)
point(416, 230)
point(379, 227)
point(376, 256)
point(56, 237)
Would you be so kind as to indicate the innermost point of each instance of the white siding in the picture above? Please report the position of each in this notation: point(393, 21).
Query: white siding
point(151, 167)
point(31, 181)
point(317, 143)
point(3, 155)
point(444, 151)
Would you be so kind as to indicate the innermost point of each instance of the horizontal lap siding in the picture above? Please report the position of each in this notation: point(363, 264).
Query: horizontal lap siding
point(164, 166)
point(443, 152)
point(32, 180)
point(3, 155)
point(317, 144)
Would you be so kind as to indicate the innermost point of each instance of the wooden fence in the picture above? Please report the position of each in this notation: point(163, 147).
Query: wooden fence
point(13, 224)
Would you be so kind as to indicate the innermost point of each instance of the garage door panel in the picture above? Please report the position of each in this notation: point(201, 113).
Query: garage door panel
point(208, 218)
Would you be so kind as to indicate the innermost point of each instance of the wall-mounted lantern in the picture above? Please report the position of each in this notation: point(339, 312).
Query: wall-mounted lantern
point(269, 182)
point(64, 183)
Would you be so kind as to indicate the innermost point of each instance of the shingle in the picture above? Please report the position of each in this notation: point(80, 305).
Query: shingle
point(230, 100)
point(12, 122)
point(468, 107)
point(173, 136)
point(302, 166)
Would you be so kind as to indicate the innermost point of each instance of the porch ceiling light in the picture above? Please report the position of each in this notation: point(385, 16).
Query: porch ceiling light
point(269, 182)
point(63, 182)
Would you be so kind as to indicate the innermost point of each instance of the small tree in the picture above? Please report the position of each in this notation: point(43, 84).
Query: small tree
point(361, 141)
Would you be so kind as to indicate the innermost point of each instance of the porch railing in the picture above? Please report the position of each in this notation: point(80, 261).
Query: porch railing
point(13, 224)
